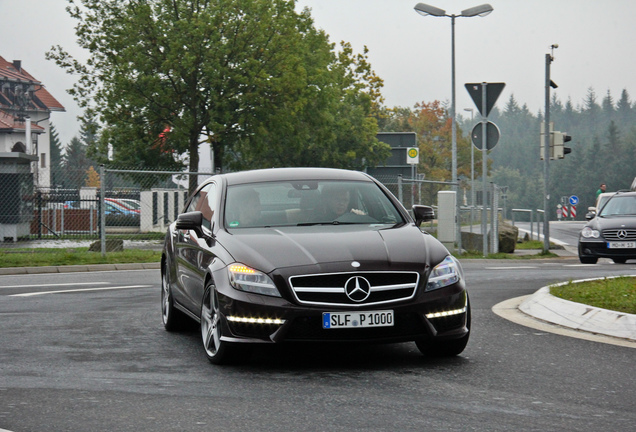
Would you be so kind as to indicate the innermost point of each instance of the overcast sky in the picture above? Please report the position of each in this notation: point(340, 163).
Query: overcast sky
point(410, 52)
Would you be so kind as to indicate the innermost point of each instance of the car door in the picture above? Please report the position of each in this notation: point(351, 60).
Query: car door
point(193, 251)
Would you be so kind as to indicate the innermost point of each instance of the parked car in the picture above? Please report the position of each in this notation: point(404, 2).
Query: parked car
point(129, 204)
point(309, 255)
point(118, 215)
point(612, 232)
point(72, 204)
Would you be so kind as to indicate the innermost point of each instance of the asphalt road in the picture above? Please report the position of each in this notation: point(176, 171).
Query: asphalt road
point(563, 232)
point(94, 356)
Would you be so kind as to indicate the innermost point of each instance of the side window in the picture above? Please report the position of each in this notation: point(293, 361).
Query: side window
point(206, 204)
point(204, 201)
point(193, 203)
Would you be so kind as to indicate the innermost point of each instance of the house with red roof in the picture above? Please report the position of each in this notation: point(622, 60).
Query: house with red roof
point(25, 111)
point(25, 146)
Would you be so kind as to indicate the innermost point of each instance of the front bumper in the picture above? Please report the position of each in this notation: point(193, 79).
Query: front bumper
point(597, 248)
point(422, 318)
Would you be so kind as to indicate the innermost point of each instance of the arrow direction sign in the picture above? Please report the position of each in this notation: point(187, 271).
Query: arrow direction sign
point(493, 90)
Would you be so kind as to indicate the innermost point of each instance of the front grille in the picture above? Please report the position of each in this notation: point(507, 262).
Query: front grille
point(354, 288)
point(620, 234)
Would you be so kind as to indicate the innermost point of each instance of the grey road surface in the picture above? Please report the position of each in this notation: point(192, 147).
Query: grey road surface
point(88, 352)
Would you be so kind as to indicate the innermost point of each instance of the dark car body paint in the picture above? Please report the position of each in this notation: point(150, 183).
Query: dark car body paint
point(281, 252)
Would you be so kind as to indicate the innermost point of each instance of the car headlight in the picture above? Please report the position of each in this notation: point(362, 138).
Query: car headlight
point(247, 279)
point(588, 232)
point(445, 273)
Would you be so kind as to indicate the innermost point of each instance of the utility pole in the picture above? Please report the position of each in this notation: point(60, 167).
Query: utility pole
point(546, 152)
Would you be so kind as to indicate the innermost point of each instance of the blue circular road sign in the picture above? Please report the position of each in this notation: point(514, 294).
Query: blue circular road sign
point(574, 200)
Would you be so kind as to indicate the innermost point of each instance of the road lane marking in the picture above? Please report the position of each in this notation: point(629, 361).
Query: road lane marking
point(510, 268)
point(31, 294)
point(54, 284)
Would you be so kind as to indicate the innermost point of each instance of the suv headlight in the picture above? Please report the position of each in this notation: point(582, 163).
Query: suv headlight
point(244, 278)
point(588, 232)
point(445, 273)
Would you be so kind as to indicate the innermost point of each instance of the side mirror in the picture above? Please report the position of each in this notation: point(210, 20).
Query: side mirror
point(590, 215)
point(190, 221)
point(422, 214)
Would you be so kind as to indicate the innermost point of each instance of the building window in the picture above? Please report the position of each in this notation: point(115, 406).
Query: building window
point(18, 148)
point(42, 160)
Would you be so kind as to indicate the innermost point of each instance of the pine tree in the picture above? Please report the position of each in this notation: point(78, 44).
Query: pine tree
point(58, 178)
point(76, 163)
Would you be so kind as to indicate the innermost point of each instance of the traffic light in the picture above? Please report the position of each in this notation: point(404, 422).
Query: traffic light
point(542, 135)
point(560, 138)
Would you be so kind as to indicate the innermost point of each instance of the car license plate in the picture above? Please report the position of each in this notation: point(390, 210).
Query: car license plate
point(333, 320)
point(621, 245)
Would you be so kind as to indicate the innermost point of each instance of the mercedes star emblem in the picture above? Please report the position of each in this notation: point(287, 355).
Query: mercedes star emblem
point(357, 289)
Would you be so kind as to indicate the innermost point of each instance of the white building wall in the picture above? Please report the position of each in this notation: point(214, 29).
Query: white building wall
point(43, 150)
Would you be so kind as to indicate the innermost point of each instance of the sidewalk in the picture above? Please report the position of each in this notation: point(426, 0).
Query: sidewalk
point(543, 306)
point(546, 307)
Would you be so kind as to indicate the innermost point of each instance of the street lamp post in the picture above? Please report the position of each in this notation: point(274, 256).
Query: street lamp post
point(481, 10)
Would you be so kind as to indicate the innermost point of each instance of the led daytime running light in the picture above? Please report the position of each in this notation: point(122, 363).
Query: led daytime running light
point(446, 313)
point(249, 320)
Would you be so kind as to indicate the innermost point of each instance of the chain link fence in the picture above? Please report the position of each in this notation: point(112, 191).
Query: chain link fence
point(114, 204)
point(134, 206)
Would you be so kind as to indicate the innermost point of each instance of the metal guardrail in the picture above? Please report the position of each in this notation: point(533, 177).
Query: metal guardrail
point(532, 218)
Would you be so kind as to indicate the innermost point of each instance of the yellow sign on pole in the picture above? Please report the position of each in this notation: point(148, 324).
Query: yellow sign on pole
point(412, 155)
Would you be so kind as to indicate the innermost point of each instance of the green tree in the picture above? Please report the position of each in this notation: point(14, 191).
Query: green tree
point(252, 77)
point(332, 120)
point(76, 163)
point(57, 159)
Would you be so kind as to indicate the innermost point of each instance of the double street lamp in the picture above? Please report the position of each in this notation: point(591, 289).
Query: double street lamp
point(481, 10)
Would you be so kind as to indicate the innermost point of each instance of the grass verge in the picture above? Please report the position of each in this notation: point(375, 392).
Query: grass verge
point(77, 256)
point(617, 294)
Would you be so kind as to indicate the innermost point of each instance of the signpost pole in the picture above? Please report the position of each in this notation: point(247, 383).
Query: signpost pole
point(484, 168)
point(485, 100)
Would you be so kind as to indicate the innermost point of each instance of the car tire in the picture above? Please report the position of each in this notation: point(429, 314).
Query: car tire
point(619, 260)
point(216, 350)
point(173, 319)
point(446, 348)
point(588, 260)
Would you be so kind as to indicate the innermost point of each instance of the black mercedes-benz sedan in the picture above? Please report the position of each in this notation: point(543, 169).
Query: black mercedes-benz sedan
point(612, 232)
point(309, 255)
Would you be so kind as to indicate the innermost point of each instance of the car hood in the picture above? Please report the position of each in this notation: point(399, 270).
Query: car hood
point(610, 222)
point(326, 248)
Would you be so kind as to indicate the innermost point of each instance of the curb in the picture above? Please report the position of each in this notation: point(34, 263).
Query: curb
point(77, 268)
point(546, 307)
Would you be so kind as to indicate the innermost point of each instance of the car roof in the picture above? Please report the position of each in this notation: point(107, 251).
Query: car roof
point(291, 174)
point(604, 195)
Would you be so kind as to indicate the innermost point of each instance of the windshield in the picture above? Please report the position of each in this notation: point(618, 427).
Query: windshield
point(308, 203)
point(620, 206)
point(601, 201)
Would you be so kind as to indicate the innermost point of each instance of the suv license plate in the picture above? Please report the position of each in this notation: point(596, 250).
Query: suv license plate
point(621, 245)
point(333, 320)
